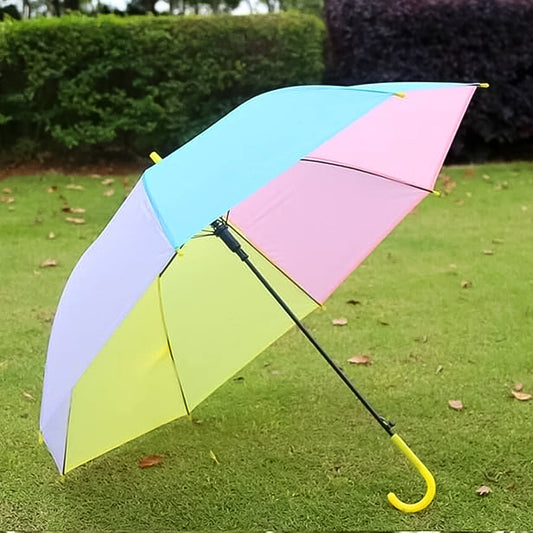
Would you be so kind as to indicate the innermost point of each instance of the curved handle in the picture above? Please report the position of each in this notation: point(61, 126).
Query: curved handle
point(424, 472)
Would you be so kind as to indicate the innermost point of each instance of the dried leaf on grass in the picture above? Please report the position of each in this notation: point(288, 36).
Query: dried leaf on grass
point(150, 460)
point(28, 396)
point(466, 284)
point(214, 457)
point(75, 220)
point(518, 387)
point(521, 396)
point(51, 235)
point(457, 405)
point(6, 190)
point(49, 263)
point(365, 360)
point(483, 490)
point(488, 252)
point(109, 192)
point(51, 189)
point(339, 321)
point(75, 187)
point(7, 199)
point(108, 181)
point(447, 184)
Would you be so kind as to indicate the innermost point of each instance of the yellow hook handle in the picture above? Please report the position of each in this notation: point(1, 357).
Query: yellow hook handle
point(424, 472)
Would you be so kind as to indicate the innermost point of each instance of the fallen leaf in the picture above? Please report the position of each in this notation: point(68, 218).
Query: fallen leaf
point(518, 387)
point(422, 340)
point(456, 404)
point(75, 187)
point(486, 177)
point(275, 372)
point(522, 396)
point(49, 263)
point(483, 490)
point(7, 199)
point(466, 284)
point(108, 181)
point(75, 220)
point(7, 191)
point(353, 302)
point(77, 210)
point(488, 252)
point(51, 189)
point(150, 460)
point(109, 192)
point(51, 235)
point(447, 184)
point(96, 176)
point(28, 396)
point(459, 202)
point(214, 457)
point(339, 321)
point(439, 369)
point(365, 360)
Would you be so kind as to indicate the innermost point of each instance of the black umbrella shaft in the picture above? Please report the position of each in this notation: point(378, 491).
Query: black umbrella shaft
point(222, 230)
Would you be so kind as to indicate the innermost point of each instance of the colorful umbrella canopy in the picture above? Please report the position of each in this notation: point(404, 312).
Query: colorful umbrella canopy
point(158, 312)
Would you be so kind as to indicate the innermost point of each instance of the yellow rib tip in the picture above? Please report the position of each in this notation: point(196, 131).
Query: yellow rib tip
point(484, 85)
point(155, 157)
point(41, 439)
point(323, 307)
point(400, 95)
point(436, 193)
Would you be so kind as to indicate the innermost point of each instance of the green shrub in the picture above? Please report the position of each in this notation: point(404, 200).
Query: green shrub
point(143, 82)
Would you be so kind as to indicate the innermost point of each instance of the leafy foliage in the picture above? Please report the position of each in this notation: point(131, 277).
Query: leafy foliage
point(443, 40)
point(143, 82)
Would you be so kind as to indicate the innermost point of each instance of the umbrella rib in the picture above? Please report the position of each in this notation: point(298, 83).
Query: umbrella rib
point(165, 329)
point(244, 238)
point(349, 167)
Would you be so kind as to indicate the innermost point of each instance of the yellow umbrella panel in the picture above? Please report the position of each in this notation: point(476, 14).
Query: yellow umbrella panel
point(202, 320)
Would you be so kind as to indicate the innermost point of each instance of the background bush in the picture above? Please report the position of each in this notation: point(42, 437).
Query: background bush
point(143, 82)
point(445, 40)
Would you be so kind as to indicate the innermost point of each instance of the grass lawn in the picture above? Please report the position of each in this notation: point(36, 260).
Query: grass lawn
point(445, 313)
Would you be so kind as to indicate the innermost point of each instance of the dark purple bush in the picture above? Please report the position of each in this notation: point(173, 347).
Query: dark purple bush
point(445, 40)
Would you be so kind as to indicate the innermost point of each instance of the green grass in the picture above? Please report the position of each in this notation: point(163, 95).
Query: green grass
point(295, 450)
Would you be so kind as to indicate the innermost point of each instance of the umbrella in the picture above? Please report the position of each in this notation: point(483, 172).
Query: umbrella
point(299, 183)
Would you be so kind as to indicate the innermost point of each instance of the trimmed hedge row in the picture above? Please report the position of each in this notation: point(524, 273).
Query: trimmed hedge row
point(143, 82)
point(445, 40)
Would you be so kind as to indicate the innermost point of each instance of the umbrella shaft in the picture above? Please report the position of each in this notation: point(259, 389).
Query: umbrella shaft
point(221, 230)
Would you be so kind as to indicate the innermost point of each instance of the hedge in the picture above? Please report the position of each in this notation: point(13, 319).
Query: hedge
point(143, 83)
point(444, 40)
